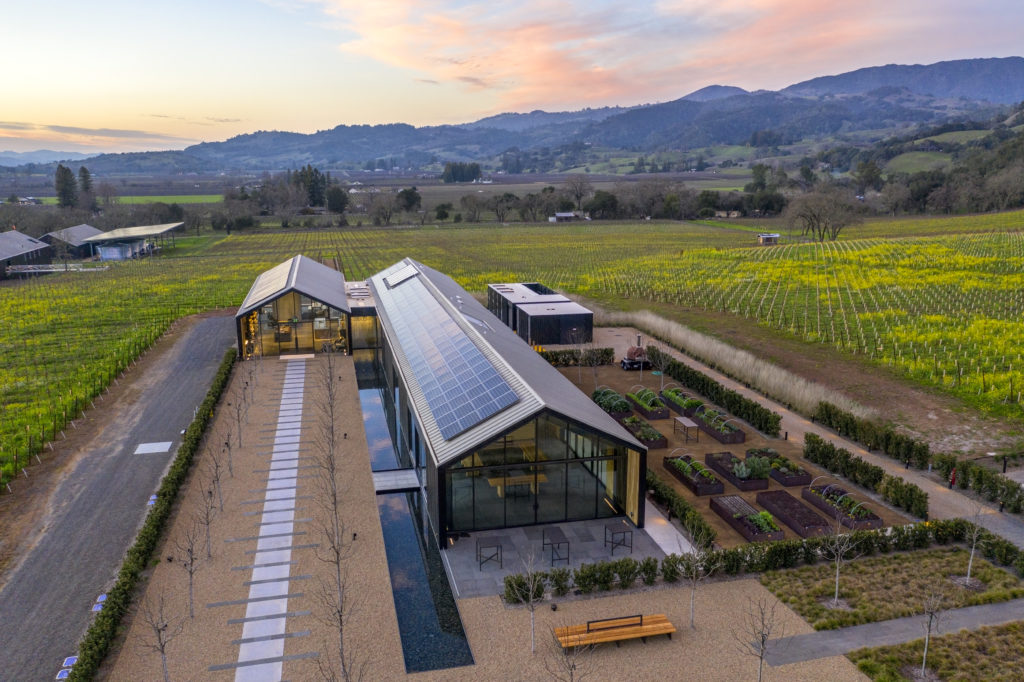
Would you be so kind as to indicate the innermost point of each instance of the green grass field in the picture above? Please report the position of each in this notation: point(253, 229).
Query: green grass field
point(153, 198)
point(913, 162)
point(959, 136)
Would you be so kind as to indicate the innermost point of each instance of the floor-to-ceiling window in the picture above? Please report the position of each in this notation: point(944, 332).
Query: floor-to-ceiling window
point(546, 471)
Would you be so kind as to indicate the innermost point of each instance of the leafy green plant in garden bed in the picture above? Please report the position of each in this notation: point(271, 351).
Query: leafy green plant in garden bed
point(764, 521)
point(884, 587)
point(610, 401)
point(644, 432)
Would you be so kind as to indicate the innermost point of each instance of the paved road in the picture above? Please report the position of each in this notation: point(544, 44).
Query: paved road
point(827, 643)
point(943, 503)
point(45, 606)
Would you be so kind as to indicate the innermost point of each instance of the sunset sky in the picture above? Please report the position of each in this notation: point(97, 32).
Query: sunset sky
point(119, 75)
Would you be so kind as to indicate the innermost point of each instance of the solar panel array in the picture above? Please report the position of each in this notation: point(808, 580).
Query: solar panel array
point(461, 386)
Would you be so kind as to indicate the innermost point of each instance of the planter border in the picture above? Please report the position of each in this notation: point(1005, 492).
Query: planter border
point(649, 444)
point(773, 501)
point(711, 459)
point(658, 413)
point(697, 488)
point(737, 436)
point(741, 525)
point(869, 523)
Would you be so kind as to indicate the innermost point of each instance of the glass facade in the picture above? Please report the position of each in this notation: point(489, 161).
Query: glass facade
point(546, 471)
point(294, 323)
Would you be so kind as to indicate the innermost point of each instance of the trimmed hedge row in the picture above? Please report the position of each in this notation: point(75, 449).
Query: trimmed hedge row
point(751, 411)
point(758, 557)
point(101, 633)
point(990, 484)
point(677, 506)
point(874, 436)
point(570, 357)
point(892, 488)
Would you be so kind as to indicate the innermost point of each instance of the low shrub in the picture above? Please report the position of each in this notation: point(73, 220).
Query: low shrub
point(585, 578)
point(571, 357)
point(559, 579)
point(648, 570)
point(627, 569)
point(670, 568)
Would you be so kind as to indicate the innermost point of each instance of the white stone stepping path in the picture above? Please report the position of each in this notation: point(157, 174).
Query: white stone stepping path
point(261, 654)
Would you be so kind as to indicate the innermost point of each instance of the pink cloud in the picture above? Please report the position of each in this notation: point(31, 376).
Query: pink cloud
point(541, 54)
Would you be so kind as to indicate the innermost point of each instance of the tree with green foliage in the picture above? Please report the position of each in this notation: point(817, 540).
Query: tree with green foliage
point(409, 199)
point(84, 180)
point(602, 205)
point(66, 187)
point(443, 210)
point(313, 182)
point(456, 171)
point(867, 176)
point(337, 199)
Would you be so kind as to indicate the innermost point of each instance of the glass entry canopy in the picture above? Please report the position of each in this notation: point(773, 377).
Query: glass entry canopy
point(298, 306)
point(546, 471)
point(296, 323)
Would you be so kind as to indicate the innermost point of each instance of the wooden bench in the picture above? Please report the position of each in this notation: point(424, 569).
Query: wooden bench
point(614, 630)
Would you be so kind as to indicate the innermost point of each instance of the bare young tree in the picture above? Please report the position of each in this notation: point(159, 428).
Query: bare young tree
point(528, 588)
point(759, 624)
point(838, 548)
point(933, 607)
point(164, 629)
point(189, 559)
point(660, 361)
point(568, 664)
point(578, 187)
point(207, 510)
point(239, 410)
point(226, 447)
point(975, 533)
point(214, 469)
point(337, 600)
point(699, 563)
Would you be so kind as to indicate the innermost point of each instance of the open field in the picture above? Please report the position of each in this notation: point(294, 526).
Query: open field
point(945, 312)
point(153, 198)
point(959, 136)
point(912, 162)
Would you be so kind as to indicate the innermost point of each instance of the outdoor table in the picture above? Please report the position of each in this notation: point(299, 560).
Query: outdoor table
point(684, 424)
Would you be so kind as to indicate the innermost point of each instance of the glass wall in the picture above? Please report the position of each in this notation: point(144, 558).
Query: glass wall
point(295, 323)
point(545, 471)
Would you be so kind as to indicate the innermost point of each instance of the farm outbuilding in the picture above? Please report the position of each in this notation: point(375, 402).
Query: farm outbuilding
point(299, 306)
point(72, 240)
point(132, 242)
point(768, 239)
point(539, 315)
point(17, 248)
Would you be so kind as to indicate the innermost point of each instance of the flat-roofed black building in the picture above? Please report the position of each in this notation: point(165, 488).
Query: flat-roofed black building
point(539, 315)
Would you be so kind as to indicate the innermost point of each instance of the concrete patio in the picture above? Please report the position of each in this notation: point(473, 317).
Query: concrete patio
point(472, 577)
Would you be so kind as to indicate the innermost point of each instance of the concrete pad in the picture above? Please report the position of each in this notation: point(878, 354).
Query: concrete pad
point(153, 448)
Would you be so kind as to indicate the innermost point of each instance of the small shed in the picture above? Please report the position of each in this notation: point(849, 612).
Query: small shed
point(72, 240)
point(563, 217)
point(17, 248)
point(768, 238)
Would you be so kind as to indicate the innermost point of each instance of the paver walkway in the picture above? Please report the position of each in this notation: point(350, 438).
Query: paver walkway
point(827, 643)
point(943, 503)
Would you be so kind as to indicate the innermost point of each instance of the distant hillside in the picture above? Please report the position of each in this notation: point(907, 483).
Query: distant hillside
point(39, 156)
point(887, 100)
point(538, 118)
point(999, 80)
point(713, 92)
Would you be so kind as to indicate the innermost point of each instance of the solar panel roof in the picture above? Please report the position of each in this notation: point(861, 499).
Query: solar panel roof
point(460, 385)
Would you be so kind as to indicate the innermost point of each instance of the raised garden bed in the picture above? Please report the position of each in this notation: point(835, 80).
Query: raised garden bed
point(679, 402)
point(723, 462)
point(645, 433)
point(792, 512)
point(647, 403)
point(784, 470)
point(824, 498)
point(730, 436)
point(612, 403)
point(697, 482)
point(744, 519)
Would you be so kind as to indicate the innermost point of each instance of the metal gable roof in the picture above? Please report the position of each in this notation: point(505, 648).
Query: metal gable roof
point(299, 274)
point(537, 385)
point(14, 243)
point(75, 235)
